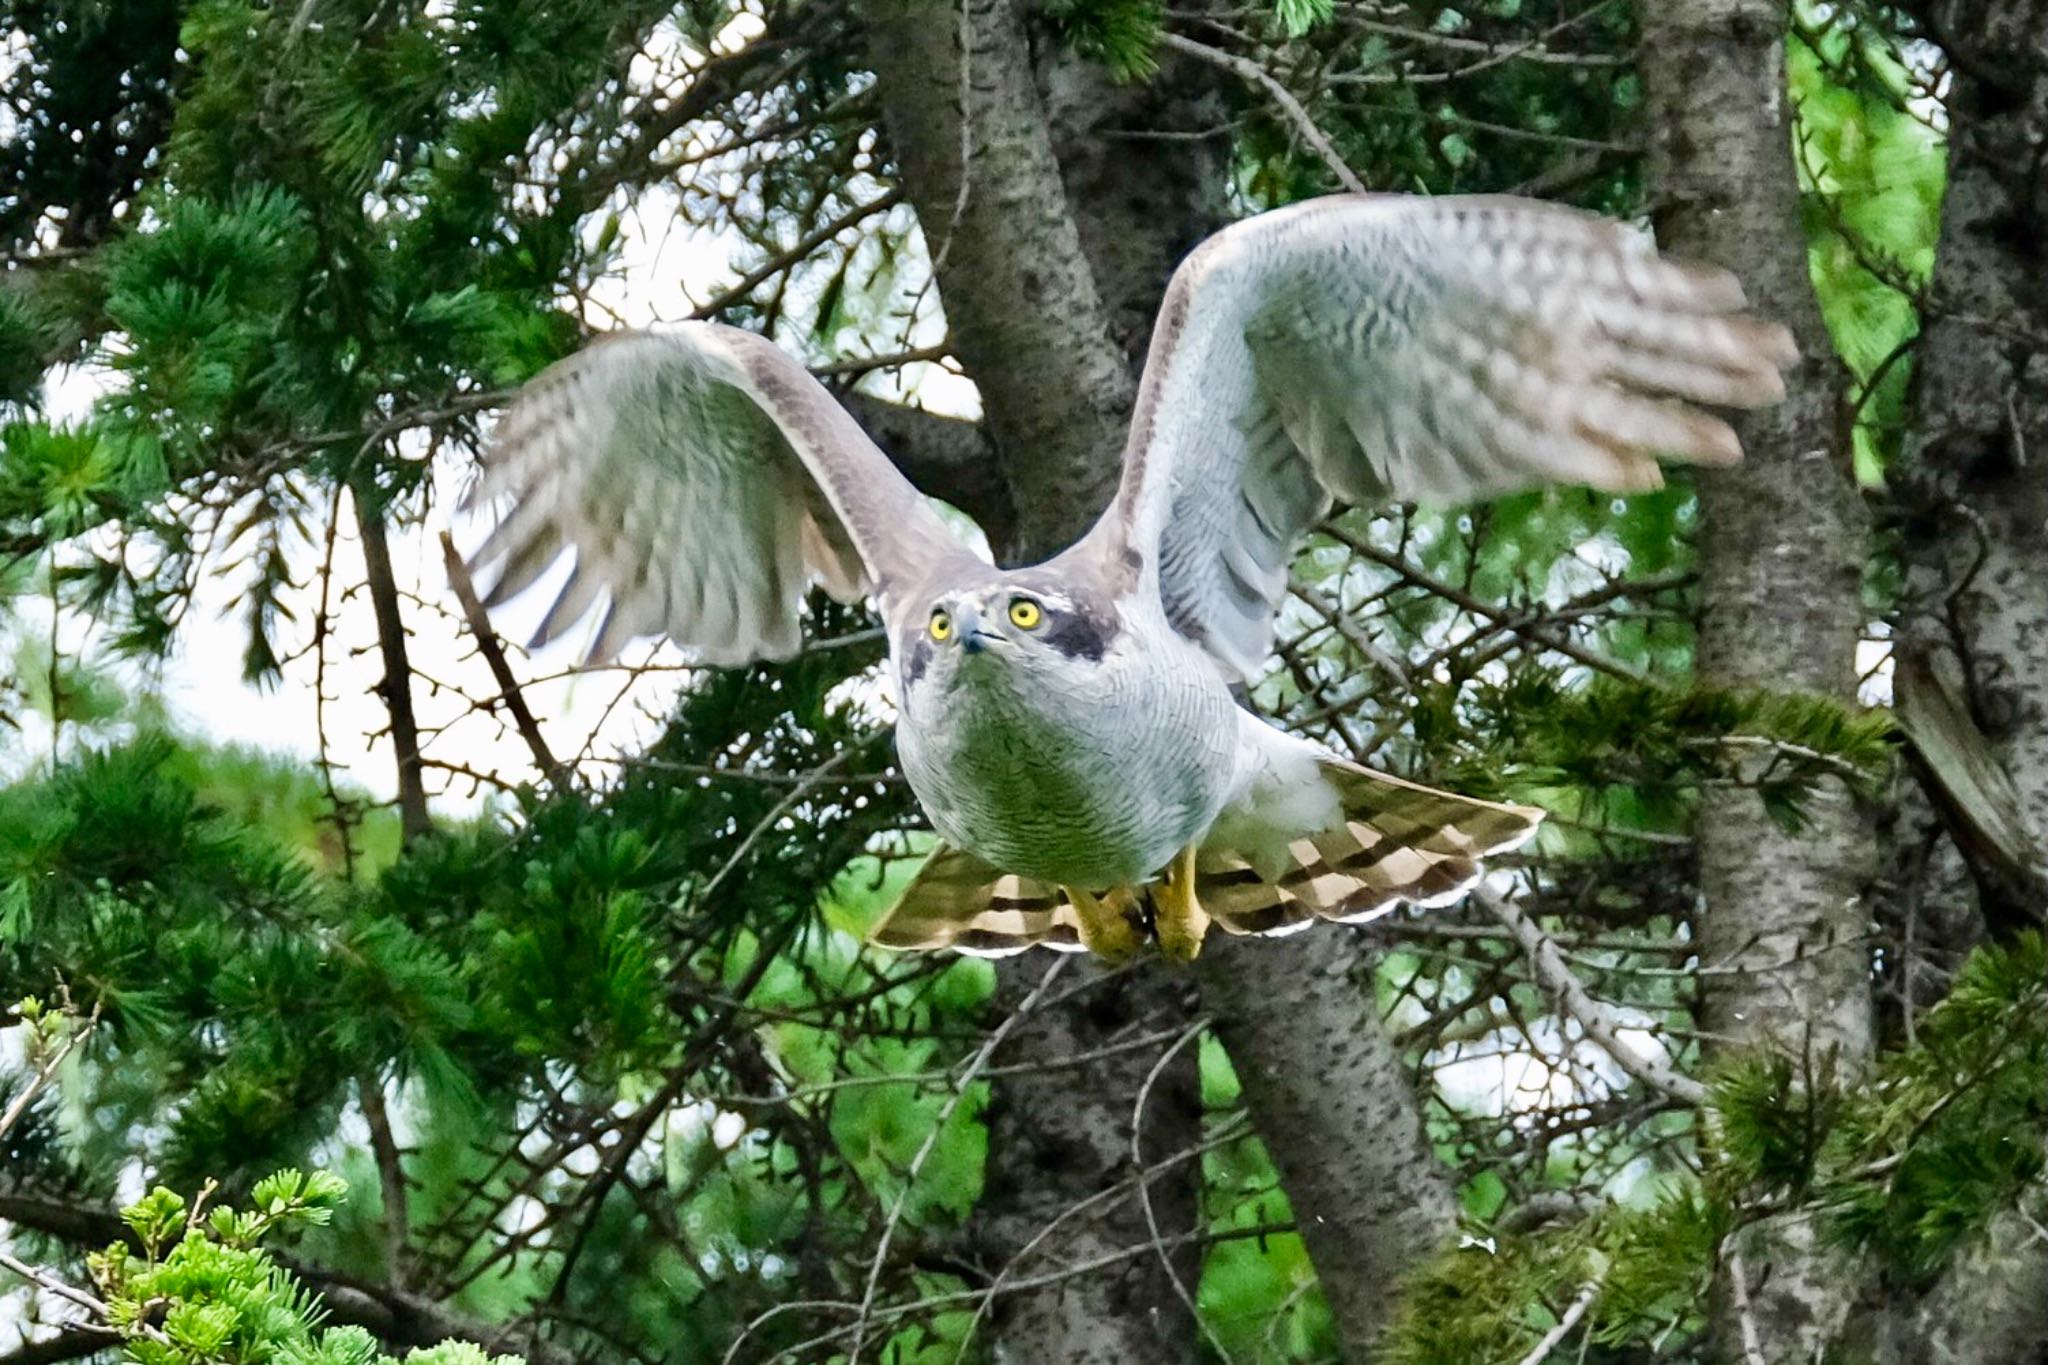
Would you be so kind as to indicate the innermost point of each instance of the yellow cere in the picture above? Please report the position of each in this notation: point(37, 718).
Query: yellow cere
point(941, 625)
point(1024, 613)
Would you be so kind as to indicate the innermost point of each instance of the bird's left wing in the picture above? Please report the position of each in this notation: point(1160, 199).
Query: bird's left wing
point(1377, 348)
point(704, 479)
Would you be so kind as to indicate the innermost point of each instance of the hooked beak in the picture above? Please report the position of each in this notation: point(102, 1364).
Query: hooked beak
point(973, 639)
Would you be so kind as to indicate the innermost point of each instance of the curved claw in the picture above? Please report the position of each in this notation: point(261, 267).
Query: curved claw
point(1109, 924)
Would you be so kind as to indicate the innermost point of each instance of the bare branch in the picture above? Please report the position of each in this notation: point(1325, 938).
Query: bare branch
point(1290, 107)
point(1592, 1016)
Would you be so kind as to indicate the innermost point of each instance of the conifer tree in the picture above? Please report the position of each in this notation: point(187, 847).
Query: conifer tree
point(317, 1066)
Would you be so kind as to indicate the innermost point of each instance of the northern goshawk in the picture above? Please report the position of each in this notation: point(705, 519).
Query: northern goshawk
point(1070, 727)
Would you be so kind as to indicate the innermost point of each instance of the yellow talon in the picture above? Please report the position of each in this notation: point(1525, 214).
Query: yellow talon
point(1108, 928)
point(1178, 919)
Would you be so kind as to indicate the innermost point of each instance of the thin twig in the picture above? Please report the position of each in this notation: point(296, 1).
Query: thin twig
point(1565, 1324)
point(804, 246)
point(1188, 1035)
point(945, 1115)
point(390, 1175)
point(47, 1071)
point(1738, 1289)
point(494, 656)
point(51, 1284)
point(1592, 1016)
point(1292, 108)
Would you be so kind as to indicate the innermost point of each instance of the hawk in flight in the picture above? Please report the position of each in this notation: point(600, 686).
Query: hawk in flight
point(1070, 727)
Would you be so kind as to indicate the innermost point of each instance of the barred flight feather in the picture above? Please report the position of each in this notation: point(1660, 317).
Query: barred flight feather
point(1400, 843)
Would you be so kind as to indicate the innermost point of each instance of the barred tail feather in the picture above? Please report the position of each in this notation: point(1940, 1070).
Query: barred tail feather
point(958, 901)
point(1397, 842)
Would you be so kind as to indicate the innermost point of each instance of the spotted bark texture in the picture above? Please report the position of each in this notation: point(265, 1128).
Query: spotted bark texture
point(1989, 1308)
point(1972, 507)
point(1027, 320)
point(1336, 1111)
point(1781, 545)
point(1147, 161)
point(1972, 496)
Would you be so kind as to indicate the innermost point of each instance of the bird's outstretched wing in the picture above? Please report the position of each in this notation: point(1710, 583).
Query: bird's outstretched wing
point(1378, 348)
point(704, 479)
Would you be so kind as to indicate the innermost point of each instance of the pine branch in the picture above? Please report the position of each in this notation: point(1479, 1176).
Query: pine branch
point(398, 1316)
point(396, 688)
point(1291, 108)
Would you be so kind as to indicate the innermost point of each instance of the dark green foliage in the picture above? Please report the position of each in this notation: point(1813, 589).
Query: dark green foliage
point(97, 89)
point(1906, 1168)
point(1121, 34)
point(28, 340)
point(1610, 750)
point(1950, 1132)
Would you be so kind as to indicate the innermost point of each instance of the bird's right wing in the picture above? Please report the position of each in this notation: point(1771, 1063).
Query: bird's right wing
point(704, 480)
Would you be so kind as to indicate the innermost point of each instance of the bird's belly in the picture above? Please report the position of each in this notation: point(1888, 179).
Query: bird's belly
point(1098, 794)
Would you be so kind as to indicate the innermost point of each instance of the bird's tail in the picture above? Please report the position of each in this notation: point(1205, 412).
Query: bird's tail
point(1397, 842)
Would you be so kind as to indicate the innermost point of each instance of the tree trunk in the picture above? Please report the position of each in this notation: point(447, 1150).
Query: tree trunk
point(1974, 486)
point(1780, 553)
point(1025, 316)
point(1337, 1111)
point(1050, 308)
point(1973, 502)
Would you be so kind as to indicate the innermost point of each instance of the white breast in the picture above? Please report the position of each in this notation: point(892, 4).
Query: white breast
point(1092, 778)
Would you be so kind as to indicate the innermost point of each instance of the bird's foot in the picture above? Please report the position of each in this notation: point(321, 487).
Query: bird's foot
point(1178, 920)
point(1110, 923)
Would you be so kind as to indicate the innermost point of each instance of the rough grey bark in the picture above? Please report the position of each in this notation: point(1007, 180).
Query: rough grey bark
point(1974, 487)
point(1781, 548)
point(1060, 1159)
point(1972, 496)
point(1336, 1109)
point(1148, 164)
point(1990, 1308)
point(1021, 301)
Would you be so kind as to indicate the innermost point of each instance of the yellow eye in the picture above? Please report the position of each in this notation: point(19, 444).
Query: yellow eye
point(1024, 613)
point(940, 626)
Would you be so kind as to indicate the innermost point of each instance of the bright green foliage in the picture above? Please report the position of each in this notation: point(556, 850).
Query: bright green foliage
point(197, 1286)
point(1871, 166)
point(1258, 1292)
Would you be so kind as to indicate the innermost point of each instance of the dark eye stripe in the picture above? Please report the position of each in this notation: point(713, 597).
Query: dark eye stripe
point(1078, 634)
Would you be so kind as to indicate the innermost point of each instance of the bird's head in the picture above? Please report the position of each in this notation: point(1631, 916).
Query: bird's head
point(1024, 622)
